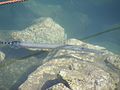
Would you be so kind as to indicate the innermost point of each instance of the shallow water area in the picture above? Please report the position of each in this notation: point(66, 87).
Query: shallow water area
point(17, 66)
point(79, 18)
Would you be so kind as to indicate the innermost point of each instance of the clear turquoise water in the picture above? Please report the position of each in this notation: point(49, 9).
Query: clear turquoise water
point(80, 18)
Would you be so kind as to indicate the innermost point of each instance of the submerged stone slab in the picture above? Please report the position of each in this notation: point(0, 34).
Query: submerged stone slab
point(78, 75)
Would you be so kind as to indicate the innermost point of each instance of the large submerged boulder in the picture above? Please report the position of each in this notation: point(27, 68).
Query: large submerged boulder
point(74, 70)
point(2, 56)
point(74, 74)
point(44, 30)
point(105, 55)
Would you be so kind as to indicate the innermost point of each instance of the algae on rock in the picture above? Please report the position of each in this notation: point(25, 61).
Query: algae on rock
point(45, 30)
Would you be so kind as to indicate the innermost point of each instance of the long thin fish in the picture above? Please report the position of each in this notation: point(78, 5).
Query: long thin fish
point(49, 46)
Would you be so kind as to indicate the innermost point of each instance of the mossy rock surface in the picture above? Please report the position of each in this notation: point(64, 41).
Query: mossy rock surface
point(44, 30)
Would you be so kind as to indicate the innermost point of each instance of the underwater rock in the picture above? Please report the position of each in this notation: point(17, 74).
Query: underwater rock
point(75, 74)
point(114, 60)
point(106, 55)
point(2, 56)
point(76, 70)
point(45, 30)
point(59, 86)
point(96, 53)
point(88, 79)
